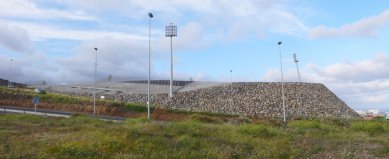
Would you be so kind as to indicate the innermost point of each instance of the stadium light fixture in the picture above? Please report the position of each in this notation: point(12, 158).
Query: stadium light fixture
point(148, 81)
point(171, 31)
point(94, 89)
point(282, 82)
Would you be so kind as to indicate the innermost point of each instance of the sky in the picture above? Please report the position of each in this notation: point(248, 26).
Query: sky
point(342, 44)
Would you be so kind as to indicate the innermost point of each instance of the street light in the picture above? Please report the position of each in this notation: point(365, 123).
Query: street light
point(171, 31)
point(94, 91)
point(10, 74)
point(282, 81)
point(148, 81)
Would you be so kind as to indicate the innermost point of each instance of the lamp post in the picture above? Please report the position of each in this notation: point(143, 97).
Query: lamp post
point(148, 81)
point(282, 82)
point(171, 31)
point(10, 74)
point(94, 90)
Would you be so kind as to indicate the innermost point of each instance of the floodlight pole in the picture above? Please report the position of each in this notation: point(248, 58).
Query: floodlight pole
point(148, 81)
point(171, 31)
point(10, 74)
point(94, 89)
point(296, 61)
point(298, 74)
point(282, 82)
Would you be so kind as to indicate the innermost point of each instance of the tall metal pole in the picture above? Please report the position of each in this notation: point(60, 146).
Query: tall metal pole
point(298, 71)
point(171, 31)
point(148, 81)
point(94, 90)
point(10, 74)
point(282, 82)
point(171, 67)
point(298, 74)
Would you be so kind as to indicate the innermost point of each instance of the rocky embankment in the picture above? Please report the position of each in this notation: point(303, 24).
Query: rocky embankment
point(254, 99)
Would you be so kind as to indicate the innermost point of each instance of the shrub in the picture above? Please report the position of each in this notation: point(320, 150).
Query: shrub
point(76, 150)
point(133, 121)
point(240, 120)
point(339, 122)
point(379, 118)
point(370, 127)
point(42, 92)
point(117, 104)
point(256, 130)
point(136, 107)
point(206, 119)
point(305, 124)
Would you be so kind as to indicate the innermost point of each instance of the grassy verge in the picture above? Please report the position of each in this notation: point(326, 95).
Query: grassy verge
point(26, 136)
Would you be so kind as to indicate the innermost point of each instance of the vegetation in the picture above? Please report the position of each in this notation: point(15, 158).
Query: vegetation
point(53, 98)
point(201, 136)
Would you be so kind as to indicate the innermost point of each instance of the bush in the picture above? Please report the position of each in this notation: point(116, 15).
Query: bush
point(137, 107)
point(379, 118)
point(305, 124)
point(256, 130)
point(240, 120)
point(339, 122)
point(205, 119)
point(42, 92)
point(76, 150)
point(117, 104)
point(370, 127)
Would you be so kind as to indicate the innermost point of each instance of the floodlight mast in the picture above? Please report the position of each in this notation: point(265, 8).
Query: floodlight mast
point(171, 31)
point(10, 73)
point(296, 61)
point(298, 74)
point(282, 82)
point(94, 89)
point(148, 81)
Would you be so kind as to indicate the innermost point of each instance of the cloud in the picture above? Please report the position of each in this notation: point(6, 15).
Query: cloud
point(14, 38)
point(115, 56)
point(362, 84)
point(30, 10)
point(366, 70)
point(366, 27)
point(223, 19)
point(43, 32)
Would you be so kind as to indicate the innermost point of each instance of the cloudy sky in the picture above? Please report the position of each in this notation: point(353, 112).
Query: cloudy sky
point(342, 44)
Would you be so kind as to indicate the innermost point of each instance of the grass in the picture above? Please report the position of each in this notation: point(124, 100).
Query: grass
point(27, 136)
point(53, 98)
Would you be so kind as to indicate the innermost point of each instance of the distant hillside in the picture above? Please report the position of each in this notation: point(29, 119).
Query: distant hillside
point(4, 82)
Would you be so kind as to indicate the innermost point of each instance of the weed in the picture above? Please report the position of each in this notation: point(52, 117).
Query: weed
point(205, 119)
point(256, 130)
point(135, 107)
point(370, 127)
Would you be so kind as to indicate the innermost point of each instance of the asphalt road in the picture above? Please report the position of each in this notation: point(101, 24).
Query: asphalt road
point(52, 113)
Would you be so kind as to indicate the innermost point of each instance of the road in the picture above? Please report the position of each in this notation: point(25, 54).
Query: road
point(52, 113)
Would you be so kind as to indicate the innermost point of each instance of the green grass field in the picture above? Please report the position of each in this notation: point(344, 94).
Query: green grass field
point(27, 136)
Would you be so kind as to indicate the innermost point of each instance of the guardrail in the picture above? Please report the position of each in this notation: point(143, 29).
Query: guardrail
point(53, 113)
